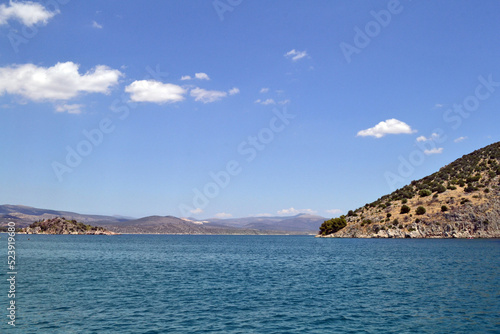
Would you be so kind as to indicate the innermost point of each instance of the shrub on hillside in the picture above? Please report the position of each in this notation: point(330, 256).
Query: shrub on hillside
point(424, 192)
point(405, 209)
point(420, 210)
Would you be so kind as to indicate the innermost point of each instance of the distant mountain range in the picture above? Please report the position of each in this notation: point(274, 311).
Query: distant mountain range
point(299, 224)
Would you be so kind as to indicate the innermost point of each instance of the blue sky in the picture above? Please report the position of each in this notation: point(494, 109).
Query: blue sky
point(238, 108)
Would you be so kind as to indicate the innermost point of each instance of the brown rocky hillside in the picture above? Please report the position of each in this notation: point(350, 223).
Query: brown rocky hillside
point(461, 200)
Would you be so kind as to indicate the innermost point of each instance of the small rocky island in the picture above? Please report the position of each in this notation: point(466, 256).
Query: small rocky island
point(60, 225)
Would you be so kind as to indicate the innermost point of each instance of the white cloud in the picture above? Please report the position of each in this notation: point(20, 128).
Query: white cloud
point(234, 91)
point(264, 90)
point(155, 91)
point(28, 13)
point(207, 96)
point(421, 138)
point(284, 102)
point(265, 102)
point(96, 25)
point(70, 108)
point(293, 211)
point(433, 136)
point(295, 55)
point(59, 82)
point(201, 76)
point(197, 211)
point(334, 211)
point(459, 139)
point(223, 215)
point(434, 151)
point(438, 105)
point(186, 77)
point(390, 126)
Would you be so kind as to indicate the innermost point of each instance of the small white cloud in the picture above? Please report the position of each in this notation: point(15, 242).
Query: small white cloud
point(234, 91)
point(186, 77)
point(334, 211)
point(70, 108)
point(197, 211)
point(293, 211)
point(284, 102)
point(201, 76)
point(155, 91)
point(96, 25)
point(265, 102)
point(459, 139)
point(263, 215)
point(264, 90)
point(422, 138)
point(434, 151)
point(390, 126)
point(295, 55)
point(438, 105)
point(59, 82)
point(28, 13)
point(223, 215)
point(433, 136)
point(207, 96)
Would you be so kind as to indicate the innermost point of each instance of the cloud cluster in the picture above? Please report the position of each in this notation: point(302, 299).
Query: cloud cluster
point(390, 126)
point(63, 82)
point(28, 13)
point(59, 82)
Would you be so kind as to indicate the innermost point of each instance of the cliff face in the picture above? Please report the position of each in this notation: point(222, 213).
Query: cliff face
point(462, 200)
point(64, 226)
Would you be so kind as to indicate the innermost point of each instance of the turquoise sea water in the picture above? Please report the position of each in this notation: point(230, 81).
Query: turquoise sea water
point(252, 284)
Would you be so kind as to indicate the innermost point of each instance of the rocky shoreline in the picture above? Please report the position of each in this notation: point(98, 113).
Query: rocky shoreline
point(482, 221)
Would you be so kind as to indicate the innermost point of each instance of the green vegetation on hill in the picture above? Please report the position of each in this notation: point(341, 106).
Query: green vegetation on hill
point(333, 225)
point(473, 179)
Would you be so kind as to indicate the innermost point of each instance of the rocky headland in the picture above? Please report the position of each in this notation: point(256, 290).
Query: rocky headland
point(461, 200)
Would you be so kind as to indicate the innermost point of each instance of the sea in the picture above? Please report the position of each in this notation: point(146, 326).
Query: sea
point(250, 284)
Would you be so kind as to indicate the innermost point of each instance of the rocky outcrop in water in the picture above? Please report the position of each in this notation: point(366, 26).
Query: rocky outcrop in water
point(63, 226)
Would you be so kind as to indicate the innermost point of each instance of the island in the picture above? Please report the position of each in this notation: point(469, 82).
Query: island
point(60, 225)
